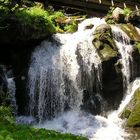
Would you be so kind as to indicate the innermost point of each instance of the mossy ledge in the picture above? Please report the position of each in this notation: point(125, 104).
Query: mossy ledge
point(132, 110)
point(104, 43)
point(24, 21)
point(9, 130)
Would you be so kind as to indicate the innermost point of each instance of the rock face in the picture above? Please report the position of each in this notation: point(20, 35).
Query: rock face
point(104, 42)
point(19, 31)
point(132, 110)
point(112, 83)
point(118, 15)
point(134, 17)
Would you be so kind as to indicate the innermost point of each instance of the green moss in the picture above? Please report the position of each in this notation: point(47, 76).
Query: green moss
point(127, 11)
point(36, 17)
point(107, 52)
point(131, 31)
point(134, 117)
point(126, 113)
point(138, 46)
point(109, 18)
point(11, 131)
point(104, 43)
point(29, 21)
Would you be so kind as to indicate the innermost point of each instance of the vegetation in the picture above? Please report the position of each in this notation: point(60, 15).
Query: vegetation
point(111, 20)
point(28, 21)
point(138, 46)
point(11, 131)
point(127, 11)
point(109, 17)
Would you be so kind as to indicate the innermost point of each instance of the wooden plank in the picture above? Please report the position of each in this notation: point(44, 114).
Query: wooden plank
point(98, 5)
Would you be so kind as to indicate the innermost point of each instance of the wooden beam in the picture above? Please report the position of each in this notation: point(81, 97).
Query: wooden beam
point(98, 5)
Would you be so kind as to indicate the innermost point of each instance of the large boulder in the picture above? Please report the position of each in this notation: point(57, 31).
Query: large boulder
point(25, 25)
point(134, 17)
point(118, 15)
point(104, 43)
point(112, 83)
point(132, 110)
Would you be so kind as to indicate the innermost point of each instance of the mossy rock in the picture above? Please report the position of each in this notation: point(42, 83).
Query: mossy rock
point(131, 31)
point(132, 110)
point(33, 22)
point(137, 45)
point(26, 24)
point(104, 43)
point(134, 17)
point(133, 34)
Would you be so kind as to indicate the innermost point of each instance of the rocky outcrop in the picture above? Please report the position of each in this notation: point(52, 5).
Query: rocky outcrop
point(132, 110)
point(118, 15)
point(25, 25)
point(104, 42)
point(134, 17)
point(112, 82)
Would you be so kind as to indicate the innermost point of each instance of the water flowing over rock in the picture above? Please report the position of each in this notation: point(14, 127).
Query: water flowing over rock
point(7, 89)
point(125, 49)
point(61, 71)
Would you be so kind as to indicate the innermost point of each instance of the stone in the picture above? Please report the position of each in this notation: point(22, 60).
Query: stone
point(132, 110)
point(104, 42)
point(112, 83)
point(134, 17)
point(118, 15)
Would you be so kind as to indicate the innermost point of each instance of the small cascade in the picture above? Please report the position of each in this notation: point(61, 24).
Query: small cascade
point(125, 49)
point(7, 88)
point(61, 70)
point(11, 93)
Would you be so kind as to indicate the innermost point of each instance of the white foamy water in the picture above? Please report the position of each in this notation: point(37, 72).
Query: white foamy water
point(93, 127)
point(125, 49)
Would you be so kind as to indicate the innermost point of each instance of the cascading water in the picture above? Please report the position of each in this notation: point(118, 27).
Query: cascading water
point(62, 71)
point(11, 93)
point(125, 49)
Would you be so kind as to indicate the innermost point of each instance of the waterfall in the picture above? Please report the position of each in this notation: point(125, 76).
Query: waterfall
point(61, 70)
point(65, 84)
point(125, 49)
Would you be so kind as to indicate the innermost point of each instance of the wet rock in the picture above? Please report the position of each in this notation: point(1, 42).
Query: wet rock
point(134, 17)
point(104, 43)
point(91, 103)
point(118, 15)
point(132, 110)
point(16, 31)
point(112, 84)
point(89, 26)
